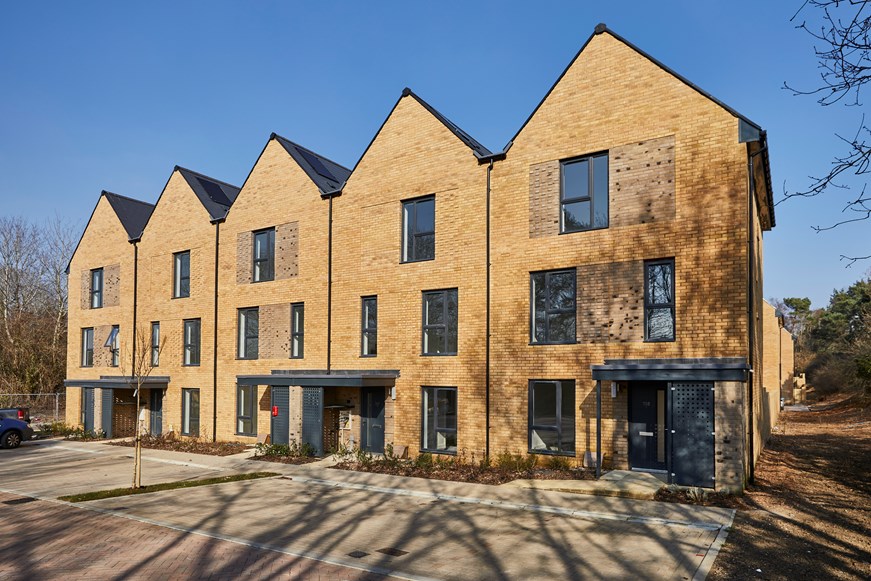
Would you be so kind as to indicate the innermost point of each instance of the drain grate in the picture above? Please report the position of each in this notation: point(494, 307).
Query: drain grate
point(19, 501)
point(392, 552)
point(357, 554)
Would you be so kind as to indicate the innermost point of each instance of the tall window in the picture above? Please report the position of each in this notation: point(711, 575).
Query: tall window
point(584, 193)
point(155, 344)
point(264, 255)
point(97, 288)
point(249, 333)
point(418, 229)
point(297, 330)
point(659, 300)
point(369, 328)
point(190, 412)
point(440, 322)
point(181, 274)
point(553, 306)
point(87, 347)
point(112, 342)
point(438, 432)
point(552, 417)
point(191, 342)
point(246, 410)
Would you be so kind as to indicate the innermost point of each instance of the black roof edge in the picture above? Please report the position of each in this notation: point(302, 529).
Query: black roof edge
point(202, 175)
point(602, 28)
point(767, 167)
point(476, 146)
point(275, 135)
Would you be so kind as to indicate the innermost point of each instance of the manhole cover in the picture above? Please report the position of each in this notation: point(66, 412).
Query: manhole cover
point(392, 552)
point(19, 501)
point(357, 554)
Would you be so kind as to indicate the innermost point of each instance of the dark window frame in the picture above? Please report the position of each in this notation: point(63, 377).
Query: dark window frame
point(252, 415)
point(188, 347)
point(425, 327)
point(178, 276)
point(297, 333)
point(590, 197)
point(243, 338)
point(367, 332)
point(186, 405)
point(258, 262)
point(423, 416)
point(532, 311)
point(649, 305)
point(557, 427)
point(155, 343)
point(410, 230)
point(87, 347)
point(113, 342)
point(96, 288)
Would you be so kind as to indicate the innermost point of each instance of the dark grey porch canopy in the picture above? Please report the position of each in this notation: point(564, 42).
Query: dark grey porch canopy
point(323, 378)
point(119, 382)
point(702, 369)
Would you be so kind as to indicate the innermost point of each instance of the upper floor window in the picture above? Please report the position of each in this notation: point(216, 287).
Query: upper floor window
point(112, 342)
point(440, 312)
point(87, 347)
point(584, 193)
point(97, 288)
point(659, 300)
point(249, 333)
point(297, 330)
point(181, 276)
point(155, 344)
point(191, 342)
point(418, 229)
point(369, 329)
point(553, 306)
point(264, 255)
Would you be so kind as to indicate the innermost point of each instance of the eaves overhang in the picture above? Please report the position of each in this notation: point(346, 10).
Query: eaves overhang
point(700, 369)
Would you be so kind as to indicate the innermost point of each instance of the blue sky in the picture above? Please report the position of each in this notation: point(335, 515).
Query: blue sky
point(112, 95)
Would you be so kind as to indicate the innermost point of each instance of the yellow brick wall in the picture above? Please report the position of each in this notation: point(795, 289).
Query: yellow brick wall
point(772, 368)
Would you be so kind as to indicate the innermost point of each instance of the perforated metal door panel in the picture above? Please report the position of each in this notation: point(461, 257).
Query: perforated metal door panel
point(88, 408)
point(107, 397)
point(281, 422)
point(313, 418)
point(692, 438)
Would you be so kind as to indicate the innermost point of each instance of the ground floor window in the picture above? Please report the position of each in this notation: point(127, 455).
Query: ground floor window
point(190, 412)
point(552, 416)
point(246, 410)
point(438, 431)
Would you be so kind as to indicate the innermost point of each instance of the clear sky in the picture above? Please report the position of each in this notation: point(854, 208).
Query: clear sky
point(112, 95)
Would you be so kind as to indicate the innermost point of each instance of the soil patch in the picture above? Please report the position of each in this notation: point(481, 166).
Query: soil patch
point(461, 472)
point(190, 446)
point(286, 459)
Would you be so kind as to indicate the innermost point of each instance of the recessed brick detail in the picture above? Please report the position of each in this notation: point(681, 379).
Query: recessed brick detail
point(244, 257)
point(544, 199)
point(112, 285)
point(286, 250)
point(610, 302)
point(641, 182)
point(274, 331)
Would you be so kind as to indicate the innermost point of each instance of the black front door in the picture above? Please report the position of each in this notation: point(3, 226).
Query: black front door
point(156, 406)
point(372, 420)
point(647, 426)
point(88, 408)
point(280, 427)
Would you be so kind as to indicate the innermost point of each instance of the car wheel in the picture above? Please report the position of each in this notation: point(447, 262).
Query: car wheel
point(11, 439)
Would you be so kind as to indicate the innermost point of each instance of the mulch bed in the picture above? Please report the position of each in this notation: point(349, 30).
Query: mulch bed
point(458, 472)
point(711, 498)
point(189, 446)
point(296, 460)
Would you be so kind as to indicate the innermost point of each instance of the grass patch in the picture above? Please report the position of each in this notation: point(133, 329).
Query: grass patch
point(101, 494)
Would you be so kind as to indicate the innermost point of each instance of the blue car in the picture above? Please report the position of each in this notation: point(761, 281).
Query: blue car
point(13, 432)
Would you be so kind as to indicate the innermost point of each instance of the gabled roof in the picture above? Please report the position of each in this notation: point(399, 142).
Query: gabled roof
point(327, 175)
point(133, 214)
point(215, 195)
point(470, 141)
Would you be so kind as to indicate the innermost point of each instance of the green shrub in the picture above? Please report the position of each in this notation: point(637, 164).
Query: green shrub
point(424, 460)
point(558, 463)
point(290, 450)
point(516, 462)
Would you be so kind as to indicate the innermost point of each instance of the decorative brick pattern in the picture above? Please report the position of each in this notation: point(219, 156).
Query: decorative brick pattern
point(85, 297)
point(102, 355)
point(610, 302)
point(112, 285)
point(244, 257)
point(286, 250)
point(641, 182)
point(544, 199)
point(275, 331)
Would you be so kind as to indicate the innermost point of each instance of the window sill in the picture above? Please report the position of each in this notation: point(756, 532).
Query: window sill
point(537, 343)
point(416, 261)
point(562, 232)
point(672, 340)
point(247, 358)
point(438, 354)
point(190, 364)
point(549, 453)
point(440, 452)
point(185, 297)
point(364, 356)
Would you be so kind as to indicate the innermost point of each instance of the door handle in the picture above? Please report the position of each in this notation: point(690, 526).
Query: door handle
point(646, 434)
point(377, 426)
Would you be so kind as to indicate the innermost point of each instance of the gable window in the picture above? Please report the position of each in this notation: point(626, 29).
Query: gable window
point(297, 330)
point(553, 306)
point(249, 333)
point(552, 417)
point(438, 431)
point(97, 288)
point(155, 344)
point(112, 344)
point(190, 412)
point(584, 193)
point(418, 229)
point(181, 274)
point(191, 342)
point(369, 327)
point(264, 255)
point(246, 410)
point(440, 311)
point(88, 347)
point(659, 300)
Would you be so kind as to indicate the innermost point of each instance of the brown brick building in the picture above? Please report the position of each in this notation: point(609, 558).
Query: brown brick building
point(596, 285)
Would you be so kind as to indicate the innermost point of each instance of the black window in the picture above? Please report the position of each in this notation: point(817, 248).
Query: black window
point(87, 347)
point(553, 306)
point(249, 333)
point(440, 322)
point(552, 417)
point(369, 330)
point(418, 229)
point(584, 193)
point(264, 255)
point(659, 300)
point(155, 344)
point(112, 342)
point(97, 288)
point(246, 410)
point(191, 342)
point(438, 431)
point(181, 274)
point(297, 330)
point(190, 412)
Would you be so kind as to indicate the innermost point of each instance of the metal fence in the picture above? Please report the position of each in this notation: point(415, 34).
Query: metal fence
point(44, 407)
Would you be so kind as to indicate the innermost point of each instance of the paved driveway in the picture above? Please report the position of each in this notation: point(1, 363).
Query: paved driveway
point(410, 528)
